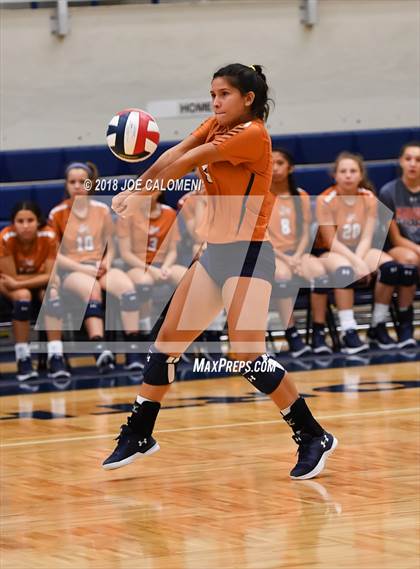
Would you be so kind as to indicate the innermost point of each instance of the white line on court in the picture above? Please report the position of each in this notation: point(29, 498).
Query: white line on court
point(208, 427)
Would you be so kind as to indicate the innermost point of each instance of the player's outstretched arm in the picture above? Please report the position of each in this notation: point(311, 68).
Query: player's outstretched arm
point(152, 173)
point(203, 154)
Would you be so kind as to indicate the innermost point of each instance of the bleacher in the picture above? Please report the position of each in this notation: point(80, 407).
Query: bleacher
point(38, 174)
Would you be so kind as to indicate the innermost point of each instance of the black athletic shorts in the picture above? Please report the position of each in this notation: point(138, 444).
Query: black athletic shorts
point(239, 259)
point(64, 273)
point(318, 251)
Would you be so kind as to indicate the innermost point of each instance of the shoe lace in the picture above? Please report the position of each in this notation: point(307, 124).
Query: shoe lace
point(303, 443)
point(124, 430)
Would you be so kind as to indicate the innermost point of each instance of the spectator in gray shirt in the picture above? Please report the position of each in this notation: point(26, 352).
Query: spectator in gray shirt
point(402, 196)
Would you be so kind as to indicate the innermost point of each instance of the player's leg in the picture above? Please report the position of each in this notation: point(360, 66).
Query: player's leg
point(341, 275)
point(387, 279)
point(285, 294)
point(121, 286)
point(410, 270)
point(195, 304)
point(246, 301)
point(88, 289)
point(143, 281)
point(21, 300)
point(177, 273)
point(314, 271)
point(53, 321)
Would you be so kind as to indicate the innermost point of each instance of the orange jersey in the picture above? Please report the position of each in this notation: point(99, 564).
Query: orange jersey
point(82, 239)
point(283, 227)
point(32, 261)
point(348, 214)
point(150, 237)
point(187, 204)
point(238, 187)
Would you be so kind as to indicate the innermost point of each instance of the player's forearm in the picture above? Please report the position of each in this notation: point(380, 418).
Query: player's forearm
point(132, 260)
point(341, 249)
point(303, 243)
point(171, 155)
point(363, 247)
point(169, 260)
point(182, 166)
point(36, 281)
point(282, 257)
point(67, 263)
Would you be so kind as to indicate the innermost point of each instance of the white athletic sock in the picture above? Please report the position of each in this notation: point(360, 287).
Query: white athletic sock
point(55, 348)
point(347, 321)
point(141, 399)
point(380, 313)
point(285, 411)
point(22, 350)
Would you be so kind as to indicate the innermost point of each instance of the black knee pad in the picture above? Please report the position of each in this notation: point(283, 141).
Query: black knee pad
point(94, 309)
point(343, 277)
point(389, 273)
point(21, 310)
point(160, 369)
point(282, 288)
point(321, 285)
point(143, 292)
point(409, 275)
point(129, 302)
point(53, 307)
point(265, 373)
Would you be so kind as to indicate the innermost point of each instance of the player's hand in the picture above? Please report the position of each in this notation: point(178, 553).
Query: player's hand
point(165, 273)
point(154, 272)
point(102, 268)
point(295, 262)
point(118, 201)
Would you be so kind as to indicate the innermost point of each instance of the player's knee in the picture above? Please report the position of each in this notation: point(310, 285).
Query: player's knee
point(21, 310)
point(282, 288)
point(342, 277)
point(53, 307)
point(23, 294)
point(143, 292)
point(321, 284)
point(408, 257)
point(94, 309)
point(265, 373)
point(409, 275)
point(160, 369)
point(389, 273)
point(129, 301)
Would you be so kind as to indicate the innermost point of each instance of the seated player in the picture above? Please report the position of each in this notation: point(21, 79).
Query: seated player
point(347, 214)
point(191, 207)
point(84, 227)
point(289, 233)
point(148, 244)
point(402, 196)
point(28, 250)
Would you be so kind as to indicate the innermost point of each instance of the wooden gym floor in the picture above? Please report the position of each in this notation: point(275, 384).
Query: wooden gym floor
point(217, 495)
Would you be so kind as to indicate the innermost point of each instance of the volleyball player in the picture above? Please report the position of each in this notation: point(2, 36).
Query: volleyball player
point(347, 214)
point(402, 196)
point(233, 151)
point(192, 207)
point(28, 250)
point(148, 244)
point(289, 231)
point(84, 228)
